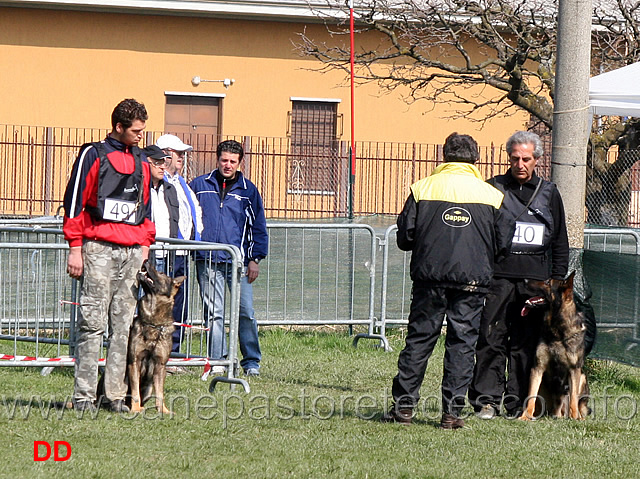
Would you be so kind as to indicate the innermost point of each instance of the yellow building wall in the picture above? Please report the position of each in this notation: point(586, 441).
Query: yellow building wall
point(69, 69)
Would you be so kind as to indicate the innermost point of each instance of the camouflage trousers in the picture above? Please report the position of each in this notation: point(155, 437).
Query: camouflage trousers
point(107, 298)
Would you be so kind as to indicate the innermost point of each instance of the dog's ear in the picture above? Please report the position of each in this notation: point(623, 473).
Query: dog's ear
point(569, 281)
point(176, 283)
point(567, 286)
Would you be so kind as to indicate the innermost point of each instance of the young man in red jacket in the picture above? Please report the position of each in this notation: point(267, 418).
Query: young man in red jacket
point(107, 224)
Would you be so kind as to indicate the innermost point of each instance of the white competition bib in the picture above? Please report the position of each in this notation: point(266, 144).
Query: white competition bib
point(119, 210)
point(528, 233)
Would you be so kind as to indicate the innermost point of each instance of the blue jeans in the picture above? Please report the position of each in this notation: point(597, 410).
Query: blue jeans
point(212, 278)
point(160, 264)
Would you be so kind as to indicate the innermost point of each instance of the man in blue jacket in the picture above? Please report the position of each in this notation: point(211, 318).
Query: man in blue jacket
point(232, 213)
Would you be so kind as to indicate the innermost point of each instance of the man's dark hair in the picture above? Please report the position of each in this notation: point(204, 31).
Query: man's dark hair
point(230, 146)
point(461, 148)
point(126, 112)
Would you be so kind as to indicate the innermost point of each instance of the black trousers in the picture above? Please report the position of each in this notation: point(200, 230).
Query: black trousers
point(428, 308)
point(506, 345)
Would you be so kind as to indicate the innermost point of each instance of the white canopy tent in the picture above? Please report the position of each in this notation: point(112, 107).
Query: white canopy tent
point(616, 92)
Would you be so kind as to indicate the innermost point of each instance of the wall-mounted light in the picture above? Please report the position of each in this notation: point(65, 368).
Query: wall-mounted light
point(227, 82)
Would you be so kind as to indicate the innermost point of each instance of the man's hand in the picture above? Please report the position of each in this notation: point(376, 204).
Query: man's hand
point(252, 271)
point(75, 265)
point(145, 253)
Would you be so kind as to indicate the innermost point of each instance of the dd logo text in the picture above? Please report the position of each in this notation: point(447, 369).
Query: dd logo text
point(57, 453)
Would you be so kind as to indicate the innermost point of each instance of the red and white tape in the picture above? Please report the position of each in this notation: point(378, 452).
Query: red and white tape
point(10, 357)
point(63, 301)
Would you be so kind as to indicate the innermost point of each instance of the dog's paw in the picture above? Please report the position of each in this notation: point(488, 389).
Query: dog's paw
point(165, 410)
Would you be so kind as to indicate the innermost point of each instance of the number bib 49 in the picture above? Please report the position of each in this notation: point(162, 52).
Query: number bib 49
point(528, 233)
point(119, 210)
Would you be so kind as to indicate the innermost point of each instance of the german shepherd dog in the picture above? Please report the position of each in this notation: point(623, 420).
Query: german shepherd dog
point(557, 380)
point(150, 338)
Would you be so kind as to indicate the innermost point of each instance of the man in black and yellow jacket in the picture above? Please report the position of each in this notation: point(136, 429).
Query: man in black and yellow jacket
point(453, 225)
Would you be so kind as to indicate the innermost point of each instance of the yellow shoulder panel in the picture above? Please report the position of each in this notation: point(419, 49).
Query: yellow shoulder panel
point(456, 188)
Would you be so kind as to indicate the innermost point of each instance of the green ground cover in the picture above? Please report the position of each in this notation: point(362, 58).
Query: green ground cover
point(314, 413)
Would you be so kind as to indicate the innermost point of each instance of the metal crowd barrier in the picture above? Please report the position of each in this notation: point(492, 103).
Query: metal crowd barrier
point(396, 283)
point(38, 304)
point(615, 282)
point(314, 275)
point(612, 240)
point(318, 275)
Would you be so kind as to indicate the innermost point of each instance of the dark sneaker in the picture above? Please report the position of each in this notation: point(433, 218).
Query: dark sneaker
point(399, 415)
point(513, 413)
point(450, 421)
point(487, 412)
point(84, 406)
point(117, 406)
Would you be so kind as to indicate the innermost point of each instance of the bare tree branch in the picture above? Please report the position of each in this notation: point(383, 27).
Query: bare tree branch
point(490, 57)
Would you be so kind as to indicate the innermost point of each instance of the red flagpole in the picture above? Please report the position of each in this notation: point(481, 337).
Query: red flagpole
point(352, 150)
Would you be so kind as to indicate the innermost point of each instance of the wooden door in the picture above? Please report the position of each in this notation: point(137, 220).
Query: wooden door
point(197, 121)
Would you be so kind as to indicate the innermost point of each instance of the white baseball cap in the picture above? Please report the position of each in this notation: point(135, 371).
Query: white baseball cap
point(172, 142)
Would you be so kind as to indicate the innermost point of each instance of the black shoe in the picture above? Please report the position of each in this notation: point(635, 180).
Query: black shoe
point(449, 421)
point(513, 413)
point(84, 406)
point(399, 415)
point(116, 406)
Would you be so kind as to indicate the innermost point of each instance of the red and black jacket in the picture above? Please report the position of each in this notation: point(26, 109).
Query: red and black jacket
point(82, 206)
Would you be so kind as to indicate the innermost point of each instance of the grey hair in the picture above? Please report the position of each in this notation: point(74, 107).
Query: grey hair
point(524, 138)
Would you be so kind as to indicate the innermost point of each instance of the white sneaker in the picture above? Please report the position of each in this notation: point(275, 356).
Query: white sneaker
point(487, 412)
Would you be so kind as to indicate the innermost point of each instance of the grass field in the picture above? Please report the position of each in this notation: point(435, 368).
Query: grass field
point(313, 413)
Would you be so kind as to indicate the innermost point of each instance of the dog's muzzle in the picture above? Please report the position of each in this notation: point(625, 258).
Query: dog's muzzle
point(143, 276)
point(532, 303)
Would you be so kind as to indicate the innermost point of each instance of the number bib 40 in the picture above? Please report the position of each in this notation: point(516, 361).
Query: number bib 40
point(119, 210)
point(528, 233)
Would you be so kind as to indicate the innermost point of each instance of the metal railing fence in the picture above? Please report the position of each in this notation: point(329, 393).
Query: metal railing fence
point(294, 179)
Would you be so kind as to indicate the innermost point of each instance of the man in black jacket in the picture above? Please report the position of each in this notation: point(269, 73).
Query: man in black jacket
point(540, 250)
point(165, 210)
point(453, 225)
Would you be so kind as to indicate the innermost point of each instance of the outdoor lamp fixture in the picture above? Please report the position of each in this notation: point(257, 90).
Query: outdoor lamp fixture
point(227, 82)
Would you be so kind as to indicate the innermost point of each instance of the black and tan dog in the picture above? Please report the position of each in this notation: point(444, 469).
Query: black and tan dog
point(557, 385)
point(150, 338)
